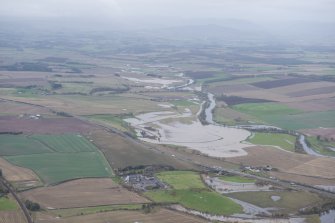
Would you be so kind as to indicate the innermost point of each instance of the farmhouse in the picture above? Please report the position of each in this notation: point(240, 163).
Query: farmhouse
point(143, 183)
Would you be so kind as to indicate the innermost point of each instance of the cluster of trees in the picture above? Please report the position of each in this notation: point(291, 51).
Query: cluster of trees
point(318, 209)
point(64, 114)
point(25, 66)
point(11, 133)
point(147, 208)
point(298, 148)
point(235, 100)
point(122, 89)
point(32, 206)
point(54, 85)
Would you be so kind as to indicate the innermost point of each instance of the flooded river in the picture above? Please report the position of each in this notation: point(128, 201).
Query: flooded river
point(210, 108)
point(328, 217)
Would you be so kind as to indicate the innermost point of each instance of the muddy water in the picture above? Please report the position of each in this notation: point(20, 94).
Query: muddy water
point(328, 217)
point(209, 109)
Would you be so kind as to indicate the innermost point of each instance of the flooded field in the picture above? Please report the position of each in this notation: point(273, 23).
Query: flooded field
point(169, 128)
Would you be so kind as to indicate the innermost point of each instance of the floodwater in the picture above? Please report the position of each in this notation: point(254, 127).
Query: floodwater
point(328, 217)
point(209, 109)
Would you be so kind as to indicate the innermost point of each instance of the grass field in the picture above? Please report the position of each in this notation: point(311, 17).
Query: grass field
point(263, 109)
point(322, 146)
point(11, 145)
point(189, 191)
point(237, 179)
point(201, 200)
point(286, 117)
point(69, 143)
point(53, 168)
point(115, 121)
point(284, 141)
point(290, 201)
point(181, 179)
point(7, 204)
point(182, 103)
point(228, 116)
point(55, 158)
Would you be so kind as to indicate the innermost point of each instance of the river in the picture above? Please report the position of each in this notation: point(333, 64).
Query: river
point(210, 108)
point(308, 149)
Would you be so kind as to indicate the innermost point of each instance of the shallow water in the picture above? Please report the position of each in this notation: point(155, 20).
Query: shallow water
point(328, 217)
point(209, 109)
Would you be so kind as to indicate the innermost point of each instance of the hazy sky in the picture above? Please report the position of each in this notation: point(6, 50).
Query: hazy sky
point(252, 10)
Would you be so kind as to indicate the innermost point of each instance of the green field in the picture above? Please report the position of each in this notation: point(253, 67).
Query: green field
point(201, 200)
point(114, 120)
point(265, 109)
point(53, 168)
point(181, 179)
point(11, 145)
point(189, 191)
point(60, 157)
point(285, 117)
point(322, 146)
point(182, 103)
point(284, 141)
point(290, 201)
point(69, 143)
point(7, 204)
point(237, 179)
point(83, 88)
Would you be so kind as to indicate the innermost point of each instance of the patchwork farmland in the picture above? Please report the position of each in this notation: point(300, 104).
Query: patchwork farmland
point(188, 189)
point(65, 156)
point(119, 126)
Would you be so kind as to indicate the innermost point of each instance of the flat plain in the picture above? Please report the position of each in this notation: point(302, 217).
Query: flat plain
point(83, 193)
point(65, 156)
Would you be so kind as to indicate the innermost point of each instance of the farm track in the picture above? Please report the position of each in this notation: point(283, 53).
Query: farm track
point(284, 183)
point(21, 204)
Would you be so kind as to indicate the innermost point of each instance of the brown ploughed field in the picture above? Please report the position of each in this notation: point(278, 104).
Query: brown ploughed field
point(15, 173)
point(288, 162)
point(12, 217)
point(43, 125)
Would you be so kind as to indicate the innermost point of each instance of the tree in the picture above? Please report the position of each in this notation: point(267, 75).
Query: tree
point(32, 206)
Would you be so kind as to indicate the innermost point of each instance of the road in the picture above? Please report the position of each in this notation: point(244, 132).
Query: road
point(22, 206)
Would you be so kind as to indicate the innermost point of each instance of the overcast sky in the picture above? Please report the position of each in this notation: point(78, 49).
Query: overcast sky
point(317, 10)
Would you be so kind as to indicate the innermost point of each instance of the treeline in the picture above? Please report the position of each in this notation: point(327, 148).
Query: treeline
point(55, 86)
point(11, 133)
point(122, 89)
point(235, 100)
point(64, 114)
point(144, 169)
point(298, 148)
point(27, 66)
point(32, 206)
point(319, 209)
point(229, 78)
point(202, 115)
